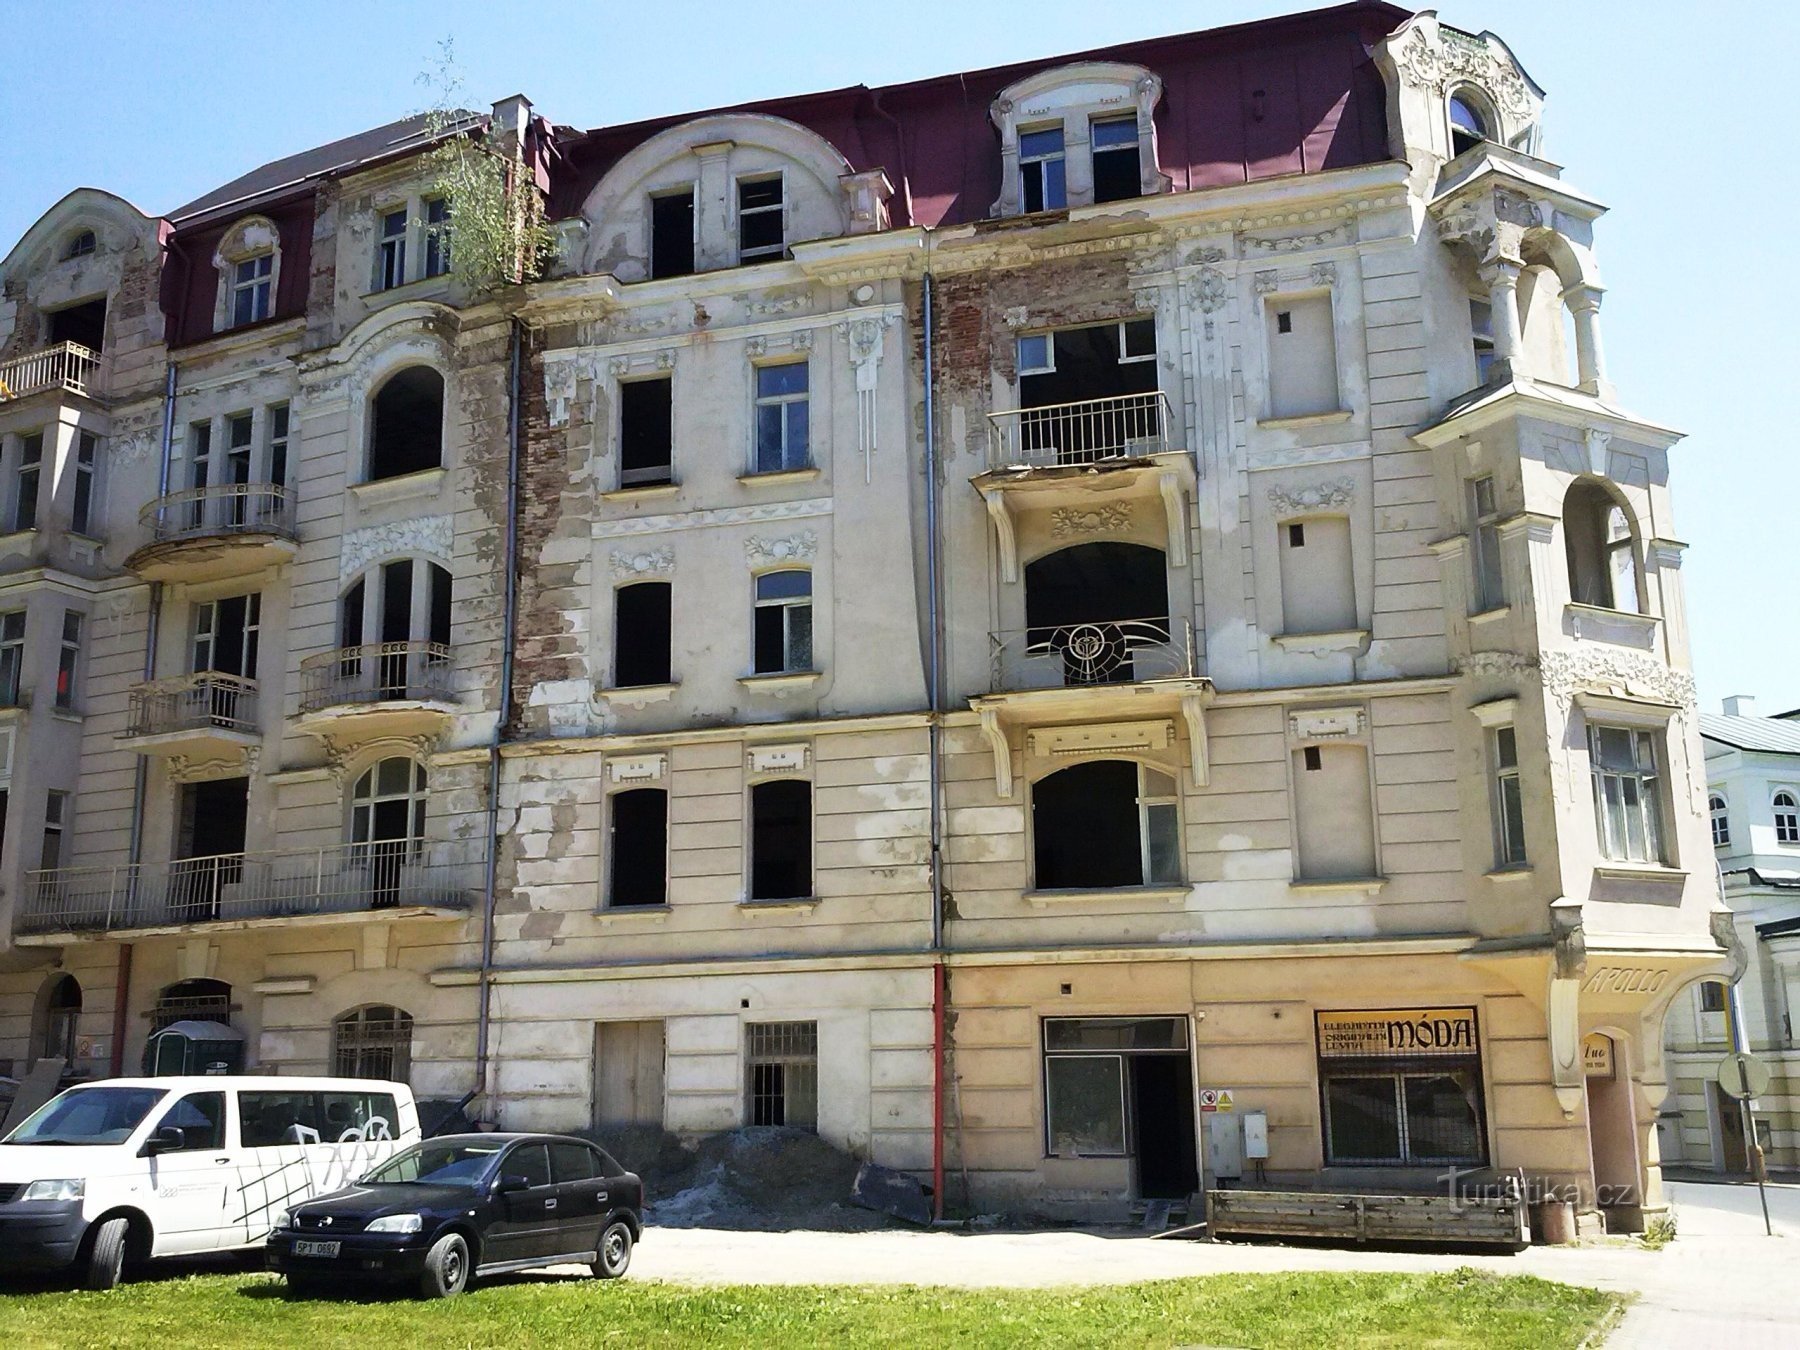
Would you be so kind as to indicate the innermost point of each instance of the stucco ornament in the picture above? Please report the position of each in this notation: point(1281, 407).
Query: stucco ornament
point(433, 536)
point(659, 562)
point(801, 547)
point(1211, 290)
point(562, 381)
point(1566, 673)
point(1297, 501)
point(1067, 520)
point(1455, 57)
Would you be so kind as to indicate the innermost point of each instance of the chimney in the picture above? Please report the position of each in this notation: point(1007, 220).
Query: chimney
point(1741, 705)
point(507, 129)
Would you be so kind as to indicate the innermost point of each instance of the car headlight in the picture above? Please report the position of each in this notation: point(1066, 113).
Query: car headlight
point(396, 1223)
point(72, 1189)
point(280, 1219)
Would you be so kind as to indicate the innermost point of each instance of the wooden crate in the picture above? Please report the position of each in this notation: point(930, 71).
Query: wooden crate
point(1352, 1218)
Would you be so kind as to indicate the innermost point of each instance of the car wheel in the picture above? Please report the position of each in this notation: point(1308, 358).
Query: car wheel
point(446, 1267)
point(614, 1255)
point(106, 1257)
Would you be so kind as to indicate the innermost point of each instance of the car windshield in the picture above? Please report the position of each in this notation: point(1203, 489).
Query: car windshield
point(437, 1164)
point(90, 1115)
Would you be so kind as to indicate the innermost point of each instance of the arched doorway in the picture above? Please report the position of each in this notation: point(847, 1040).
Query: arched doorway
point(58, 1022)
point(1612, 1123)
point(1102, 608)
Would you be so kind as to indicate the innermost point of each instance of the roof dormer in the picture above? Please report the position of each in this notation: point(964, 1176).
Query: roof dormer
point(1450, 92)
point(1077, 135)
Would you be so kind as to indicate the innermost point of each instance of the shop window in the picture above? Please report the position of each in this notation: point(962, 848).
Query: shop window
point(1717, 809)
point(1601, 545)
point(783, 622)
point(641, 634)
point(782, 1074)
point(638, 846)
point(1117, 171)
point(1043, 172)
point(783, 422)
point(1787, 818)
point(1122, 1087)
point(374, 1041)
point(646, 432)
point(1484, 542)
point(781, 839)
point(761, 233)
point(406, 433)
point(1627, 793)
point(1334, 816)
point(1401, 1088)
point(1509, 803)
point(672, 234)
point(1106, 823)
point(1303, 376)
point(1318, 584)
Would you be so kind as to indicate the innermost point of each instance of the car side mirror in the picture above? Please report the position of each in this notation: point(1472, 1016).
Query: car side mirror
point(512, 1182)
point(168, 1139)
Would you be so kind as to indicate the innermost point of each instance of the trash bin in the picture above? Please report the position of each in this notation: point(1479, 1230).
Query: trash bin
point(1553, 1223)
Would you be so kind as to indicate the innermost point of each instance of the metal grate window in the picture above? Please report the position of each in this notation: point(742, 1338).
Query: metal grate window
point(782, 1073)
point(372, 1042)
point(173, 1008)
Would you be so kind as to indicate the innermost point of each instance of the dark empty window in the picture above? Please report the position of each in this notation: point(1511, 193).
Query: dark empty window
point(1468, 128)
point(1042, 177)
point(646, 432)
point(87, 454)
point(1106, 823)
point(1116, 170)
point(83, 324)
point(781, 839)
point(784, 622)
point(407, 433)
point(1712, 997)
point(641, 634)
point(672, 234)
point(760, 232)
point(639, 848)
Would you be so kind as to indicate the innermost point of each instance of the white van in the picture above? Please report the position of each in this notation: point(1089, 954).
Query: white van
point(128, 1168)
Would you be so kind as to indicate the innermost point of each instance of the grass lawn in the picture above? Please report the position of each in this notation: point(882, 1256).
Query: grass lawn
point(1463, 1308)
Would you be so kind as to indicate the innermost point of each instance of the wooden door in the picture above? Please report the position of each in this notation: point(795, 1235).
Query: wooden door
point(628, 1073)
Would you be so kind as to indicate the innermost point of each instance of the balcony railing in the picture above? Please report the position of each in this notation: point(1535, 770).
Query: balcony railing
point(1093, 431)
point(208, 699)
point(235, 887)
point(379, 672)
point(1072, 655)
point(224, 508)
point(66, 365)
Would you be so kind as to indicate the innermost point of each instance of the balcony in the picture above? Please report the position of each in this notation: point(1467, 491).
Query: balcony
point(379, 689)
point(1082, 655)
point(211, 533)
point(1090, 465)
point(65, 366)
point(388, 879)
point(209, 716)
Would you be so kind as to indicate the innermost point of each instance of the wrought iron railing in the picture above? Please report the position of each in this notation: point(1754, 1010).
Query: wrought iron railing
point(1111, 651)
point(233, 887)
point(1092, 431)
point(208, 698)
point(64, 365)
point(223, 508)
point(378, 672)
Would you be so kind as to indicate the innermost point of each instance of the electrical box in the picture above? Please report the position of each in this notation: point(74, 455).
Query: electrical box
point(1256, 1135)
point(1224, 1146)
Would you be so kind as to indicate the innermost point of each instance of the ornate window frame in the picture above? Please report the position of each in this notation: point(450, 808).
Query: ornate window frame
point(251, 237)
point(1073, 96)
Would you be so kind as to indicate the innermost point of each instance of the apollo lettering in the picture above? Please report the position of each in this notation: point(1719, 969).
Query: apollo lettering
point(1626, 980)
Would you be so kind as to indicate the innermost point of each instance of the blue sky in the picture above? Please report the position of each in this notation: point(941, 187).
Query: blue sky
point(1662, 112)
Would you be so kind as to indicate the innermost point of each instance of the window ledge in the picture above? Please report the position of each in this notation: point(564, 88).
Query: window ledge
point(802, 904)
point(636, 492)
point(422, 483)
point(1319, 644)
point(639, 696)
point(805, 475)
point(12, 712)
point(620, 913)
point(1318, 419)
point(13, 538)
point(67, 715)
point(782, 683)
point(418, 287)
point(1616, 627)
point(1493, 615)
point(1524, 872)
point(1652, 872)
point(1171, 894)
point(1336, 885)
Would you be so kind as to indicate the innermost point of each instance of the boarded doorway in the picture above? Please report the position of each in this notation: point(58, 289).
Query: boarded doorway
point(628, 1073)
point(1731, 1156)
point(1612, 1123)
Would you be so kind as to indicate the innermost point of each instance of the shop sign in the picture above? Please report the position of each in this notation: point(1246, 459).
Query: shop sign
point(1217, 1101)
point(1383, 1035)
point(1597, 1056)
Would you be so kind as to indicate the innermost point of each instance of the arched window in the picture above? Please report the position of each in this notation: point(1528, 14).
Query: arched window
point(62, 1013)
point(192, 1001)
point(1100, 613)
point(1602, 549)
point(1787, 819)
point(393, 637)
point(783, 622)
point(1106, 823)
point(406, 430)
point(387, 827)
point(1721, 823)
point(81, 244)
point(373, 1041)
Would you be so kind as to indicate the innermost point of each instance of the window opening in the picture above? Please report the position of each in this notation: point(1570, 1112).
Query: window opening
point(407, 433)
point(199, 471)
point(370, 1042)
point(760, 230)
point(782, 422)
point(87, 456)
point(646, 432)
point(437, 236)
point(1105, 824)
point(1627, 793)
point(278, 444)
point(1042, 171)
point(192, 1001)
point(81, 244)
point(226, 634)
point(1787, 819)
point(26, 481)
point(1721, 820)
point(213, 822)
point(1509, 801)
point(1468, 128)
point(1089, 393)
point(1118, 174)
point(83, 324)
point(1099, 612)
point(783, 623)
point(68, 658)
point(62, 1021)
point(1481, 337)
point(56, 812)
point(639, 848)
point(387, 826)
point(781, 839)
point(1713, 996)
point(1122, 1087)
point(641, 634)
point(392, 258)
point(1484, 515)
point(672, 234)
point(250, 284)
point(782, 1074)
point(12, 658)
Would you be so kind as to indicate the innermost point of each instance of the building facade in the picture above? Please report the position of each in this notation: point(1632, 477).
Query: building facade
point(1011, 620)
point(1753, 806)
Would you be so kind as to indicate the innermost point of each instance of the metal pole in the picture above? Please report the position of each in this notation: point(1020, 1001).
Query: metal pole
point(1753, 1152)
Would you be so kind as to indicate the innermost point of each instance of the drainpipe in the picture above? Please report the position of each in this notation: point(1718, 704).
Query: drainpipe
point(140, 777)
point(940, 975)
point(509, 633)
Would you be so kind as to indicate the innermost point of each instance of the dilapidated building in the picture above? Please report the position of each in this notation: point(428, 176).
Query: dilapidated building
point(1013, 620)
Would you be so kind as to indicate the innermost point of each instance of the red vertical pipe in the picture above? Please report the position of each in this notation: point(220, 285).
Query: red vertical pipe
point(939, 989)
point(121, 996)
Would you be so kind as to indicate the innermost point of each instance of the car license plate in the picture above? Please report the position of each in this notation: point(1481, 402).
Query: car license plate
point(304, 1248)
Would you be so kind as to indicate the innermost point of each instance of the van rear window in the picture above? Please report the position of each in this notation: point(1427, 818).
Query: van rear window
point(271, 1119)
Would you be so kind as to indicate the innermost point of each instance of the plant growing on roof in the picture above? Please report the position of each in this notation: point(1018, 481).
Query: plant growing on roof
point(498, 232)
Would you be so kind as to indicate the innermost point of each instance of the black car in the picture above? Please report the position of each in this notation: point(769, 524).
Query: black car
point(445, 1210)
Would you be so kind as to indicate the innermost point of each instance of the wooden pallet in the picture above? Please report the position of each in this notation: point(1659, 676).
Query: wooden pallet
point(1441, 1219)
